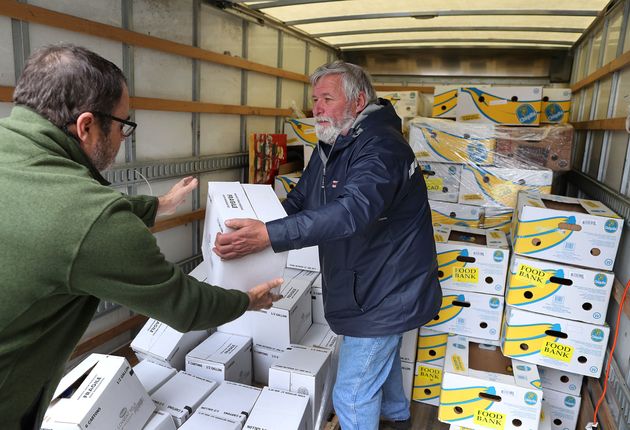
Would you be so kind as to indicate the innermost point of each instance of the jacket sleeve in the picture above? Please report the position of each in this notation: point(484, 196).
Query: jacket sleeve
point(120, 261)
point(373, 181)
point(145, 208)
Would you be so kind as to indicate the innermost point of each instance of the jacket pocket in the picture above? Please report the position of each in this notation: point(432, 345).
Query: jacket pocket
point(341, 293)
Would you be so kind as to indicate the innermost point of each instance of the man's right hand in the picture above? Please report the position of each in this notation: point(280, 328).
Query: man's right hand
point(261, 297)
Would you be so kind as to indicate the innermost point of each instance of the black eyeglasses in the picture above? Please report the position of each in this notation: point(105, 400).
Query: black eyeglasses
point(128, 126)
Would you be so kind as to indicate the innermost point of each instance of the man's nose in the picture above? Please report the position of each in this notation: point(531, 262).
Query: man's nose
point(317, 108)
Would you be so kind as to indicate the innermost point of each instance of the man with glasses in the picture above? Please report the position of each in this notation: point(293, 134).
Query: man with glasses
point(67, 240)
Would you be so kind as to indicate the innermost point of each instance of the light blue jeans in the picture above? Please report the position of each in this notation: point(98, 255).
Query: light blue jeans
point(369, 382)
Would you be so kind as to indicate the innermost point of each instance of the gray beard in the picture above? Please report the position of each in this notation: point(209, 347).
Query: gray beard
point(329, 133)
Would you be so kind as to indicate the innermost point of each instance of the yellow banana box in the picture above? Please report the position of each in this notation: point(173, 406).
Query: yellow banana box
point(456, 214)
point(426, 383)
point(405, 102)
point(435, 139)
point(471, 259)
point(567, 345)
point(469, 314)
point(431, 347)
point(557, 228)
point(497, 218)
point(482, 389)
point(559, 289)
point(556, 105)
point(302, 132)
point(283, 184)
point(499, 105)
point(444, 101)
point(499, 186)
point(544, 424)
point(560, 380)
point(563, 409)
point(442, 180)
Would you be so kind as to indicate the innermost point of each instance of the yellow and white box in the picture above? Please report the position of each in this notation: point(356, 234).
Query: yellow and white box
point(445, 140)
point(499, 186)
point(456, 214)
point(426, 383)
point(471, 259)
point(560, 380)
point(222, 357)
point(567, 345)
point(469, 314)
point(482, 389)
point(563, 409)
point(300, 131)
point(497, 218)
point(444, 101)
point(556, 105)
point(559, 289)
point(163, 344)
point(181, 395)
point(405, 102)
point(431, 346)
point(556, 228)
point(228, 200)
point(442, 180)
point(101, 393)
point(283, 184)
point(499, 105)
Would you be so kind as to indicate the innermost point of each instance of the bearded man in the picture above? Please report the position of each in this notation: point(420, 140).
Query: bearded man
point(363, 201)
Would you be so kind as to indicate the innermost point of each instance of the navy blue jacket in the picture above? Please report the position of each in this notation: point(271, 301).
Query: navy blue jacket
point(367, 209)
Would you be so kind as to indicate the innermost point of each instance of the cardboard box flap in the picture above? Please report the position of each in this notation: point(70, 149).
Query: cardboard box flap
point(77, 375)
point(300, 275)
point(291, 290)
point(266, 208)
point(231, 196)
point(567, 204)
point(219, 348)
point(302, 360)
point(444, 233)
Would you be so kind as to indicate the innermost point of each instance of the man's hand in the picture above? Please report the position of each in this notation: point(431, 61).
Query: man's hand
point(261, 297)
point(250, 236)
point(176, 196)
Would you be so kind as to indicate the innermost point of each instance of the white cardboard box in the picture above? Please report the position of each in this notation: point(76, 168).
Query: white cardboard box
point(563, 344)
point(409, 346)
point(321, 336)
point(431, 347)
point(222, 357)
point(317, 296)
point(263, 357)
point(559, 289)
point(407, 377)
point(108, 396)
point(499, 186)
point(280, 410)
point(426, 383)
point(471, 259)
point(304, 259)
point(557, 228)
point(202, 420)
point(288, 319)
point(241, 326)
point(231, 401)
point(228, 200)
point(560, 380)
point(563, 409)
point(181, 395)
point(469, 314)
point(302, 369)
point(153, 375)
point(159, 342)
point(482, 389)
point(499, 105)
point(160, 421)
point(456, 213)
point(442, 180)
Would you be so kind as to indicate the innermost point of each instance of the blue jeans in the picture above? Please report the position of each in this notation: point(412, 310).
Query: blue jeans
point(369, 382)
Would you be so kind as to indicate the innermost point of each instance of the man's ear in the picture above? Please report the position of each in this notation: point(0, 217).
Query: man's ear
point(87, 131)
point(361, 102)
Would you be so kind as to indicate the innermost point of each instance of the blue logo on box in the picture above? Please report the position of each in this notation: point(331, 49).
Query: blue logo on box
point(531, 398)
point(601, 280)
point(569, 401)
point(597, 335)
point(554, 112)
point(526, 114)
point(611, 226)
point(498, 256)
point(494, 303)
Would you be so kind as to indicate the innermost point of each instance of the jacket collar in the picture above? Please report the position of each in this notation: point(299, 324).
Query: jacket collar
point(52, 139)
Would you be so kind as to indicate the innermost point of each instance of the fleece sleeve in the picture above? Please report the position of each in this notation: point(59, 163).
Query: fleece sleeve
point(144, 207)
point(119, 261)
point(374, 179)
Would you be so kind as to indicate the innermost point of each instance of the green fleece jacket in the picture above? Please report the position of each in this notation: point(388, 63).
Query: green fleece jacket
point(66, 241)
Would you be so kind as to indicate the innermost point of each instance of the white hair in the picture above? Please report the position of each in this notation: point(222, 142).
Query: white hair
point(354, 79)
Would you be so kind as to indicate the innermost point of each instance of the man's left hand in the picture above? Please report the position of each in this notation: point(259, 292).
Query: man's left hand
point(250, 236)
point(176, 196)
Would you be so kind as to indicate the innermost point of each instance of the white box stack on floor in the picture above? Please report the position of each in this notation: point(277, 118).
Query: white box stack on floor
point(153, 375)
point(280, 410)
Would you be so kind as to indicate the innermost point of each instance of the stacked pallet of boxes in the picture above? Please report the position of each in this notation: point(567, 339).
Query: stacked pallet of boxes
point(559, 286)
